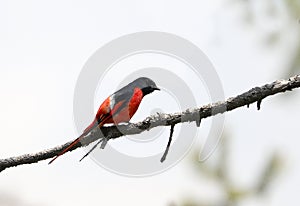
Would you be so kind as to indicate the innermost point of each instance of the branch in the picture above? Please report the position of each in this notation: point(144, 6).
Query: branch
point(256, 94)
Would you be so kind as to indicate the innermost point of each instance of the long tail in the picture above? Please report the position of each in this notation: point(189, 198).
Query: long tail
point(67, 149)
point(85, 132)
point(94, 147)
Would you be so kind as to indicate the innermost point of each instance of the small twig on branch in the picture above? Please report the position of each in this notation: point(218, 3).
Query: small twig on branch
point(256, 94)
point(163, 158)
point(259, 104)
point(104, 142)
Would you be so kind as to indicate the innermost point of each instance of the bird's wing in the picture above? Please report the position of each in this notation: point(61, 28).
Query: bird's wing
point(120, 100)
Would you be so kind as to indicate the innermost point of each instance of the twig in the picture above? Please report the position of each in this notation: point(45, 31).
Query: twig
point(190, 115)
point(163, 158)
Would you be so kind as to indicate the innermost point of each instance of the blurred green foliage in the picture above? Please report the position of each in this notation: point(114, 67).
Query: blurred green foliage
point(219, 173)
point(294, 7)
point(285, 15)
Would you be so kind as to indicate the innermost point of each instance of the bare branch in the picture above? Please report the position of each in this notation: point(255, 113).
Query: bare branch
point(256, 94)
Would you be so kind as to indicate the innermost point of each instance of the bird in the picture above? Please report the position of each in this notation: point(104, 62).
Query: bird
point(118, 107)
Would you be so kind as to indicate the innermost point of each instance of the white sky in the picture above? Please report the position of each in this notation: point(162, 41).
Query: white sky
point(43, 47)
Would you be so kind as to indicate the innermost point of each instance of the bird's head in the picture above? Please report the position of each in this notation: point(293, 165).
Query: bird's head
point(146, 85)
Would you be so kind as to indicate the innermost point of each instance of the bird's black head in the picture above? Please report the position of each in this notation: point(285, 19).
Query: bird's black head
point(146, 85)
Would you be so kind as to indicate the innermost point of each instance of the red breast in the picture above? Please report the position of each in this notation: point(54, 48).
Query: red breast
point(130, 108)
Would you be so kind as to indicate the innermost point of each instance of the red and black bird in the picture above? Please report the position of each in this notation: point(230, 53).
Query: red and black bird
point(118, 107)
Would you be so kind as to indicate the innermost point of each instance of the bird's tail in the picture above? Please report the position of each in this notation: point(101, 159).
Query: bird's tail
point(85, 132)
point(68, 148)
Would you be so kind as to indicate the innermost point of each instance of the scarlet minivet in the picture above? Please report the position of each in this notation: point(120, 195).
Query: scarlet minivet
point(118, 107)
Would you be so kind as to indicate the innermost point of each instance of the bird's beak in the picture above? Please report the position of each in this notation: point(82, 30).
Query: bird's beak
point(156, 88)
